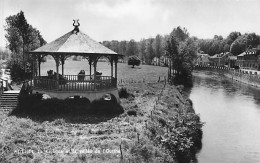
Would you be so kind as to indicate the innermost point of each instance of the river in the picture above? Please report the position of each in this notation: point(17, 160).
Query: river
point(231, 112)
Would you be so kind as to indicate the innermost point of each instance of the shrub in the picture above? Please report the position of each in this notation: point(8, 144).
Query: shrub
point(102, 106)
point(26, 103)
point(131, 112)
point(123, 93)
point(162, 121)
point(33, 105)
point(18, 72)
point(59, 122)
point(143, 151)
point(134, 61)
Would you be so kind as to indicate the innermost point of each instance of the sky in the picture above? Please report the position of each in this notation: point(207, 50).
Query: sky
point(134, 19)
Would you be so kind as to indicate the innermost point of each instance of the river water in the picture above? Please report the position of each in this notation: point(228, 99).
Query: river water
point(231, 112)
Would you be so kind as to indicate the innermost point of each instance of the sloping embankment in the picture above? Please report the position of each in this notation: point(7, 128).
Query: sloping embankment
point(159, 125)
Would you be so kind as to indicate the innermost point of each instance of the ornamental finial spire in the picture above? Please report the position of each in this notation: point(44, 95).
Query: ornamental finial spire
point(76, 25)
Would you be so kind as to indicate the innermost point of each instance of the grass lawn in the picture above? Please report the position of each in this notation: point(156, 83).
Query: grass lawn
point(125, 72)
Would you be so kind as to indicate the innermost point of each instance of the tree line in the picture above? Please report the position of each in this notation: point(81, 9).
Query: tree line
point(147, 49)
point(235, 42)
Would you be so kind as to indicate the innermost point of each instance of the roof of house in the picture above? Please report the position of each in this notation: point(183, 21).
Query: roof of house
point(221, 55)
point(232, 57)
point(74, 42)
point(199, 54)
point(216, 56)
point(227, 54)
point(242, 54)
point(251, 51)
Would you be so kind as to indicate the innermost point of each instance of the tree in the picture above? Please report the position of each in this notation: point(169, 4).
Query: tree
point(22, 37)
point(187, 52)
point(239, 45)
point(216, 37)
point(253, 40)
point(142, 46)
point(4, 54)
point(158, 46)
point(232, 37)
point(134, 61)
point(149, 51)
point(244, 42)
point(122, 47)
point(181, 34)
point(226, 47)
point(172, 52)
point(182, 55)
point(107, 44)
point(132, 48)
point(113, 45)
point(18, 33)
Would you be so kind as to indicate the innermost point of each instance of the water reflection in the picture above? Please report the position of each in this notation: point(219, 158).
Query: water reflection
point(231, 111)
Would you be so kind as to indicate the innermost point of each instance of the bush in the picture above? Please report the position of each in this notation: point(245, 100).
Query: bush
point(26, 103)
point(131, 113)
point(34, 105)
point(123, 93)
point(102, 106)
point(18, 72)
point(143, 152)
point(134, 61)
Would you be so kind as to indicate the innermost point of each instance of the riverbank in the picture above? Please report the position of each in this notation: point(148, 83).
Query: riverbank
point(253, 80)
point(158, 124)
point(244, 76)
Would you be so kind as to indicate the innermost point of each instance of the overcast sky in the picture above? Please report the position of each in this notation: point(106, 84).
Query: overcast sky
point(135, 19)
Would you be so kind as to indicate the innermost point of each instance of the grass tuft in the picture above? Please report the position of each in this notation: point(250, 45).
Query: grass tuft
point(123, 93)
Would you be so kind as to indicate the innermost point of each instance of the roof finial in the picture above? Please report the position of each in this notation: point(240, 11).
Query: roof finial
point(76, 25)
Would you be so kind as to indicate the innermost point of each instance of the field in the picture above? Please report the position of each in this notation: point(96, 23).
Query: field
point(129, 137)
point(125, 72)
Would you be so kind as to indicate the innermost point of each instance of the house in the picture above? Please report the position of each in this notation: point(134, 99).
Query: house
point(155, 61)
point(215, 60)
point(221, 59)
point(162, 61)
point(232, 60)
point(202, 59)
point(250, 59)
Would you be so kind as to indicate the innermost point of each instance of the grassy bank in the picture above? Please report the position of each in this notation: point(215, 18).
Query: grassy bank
point(158, 125)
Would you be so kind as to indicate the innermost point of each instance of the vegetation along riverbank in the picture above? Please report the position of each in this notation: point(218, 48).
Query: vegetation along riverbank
point(158, 125)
